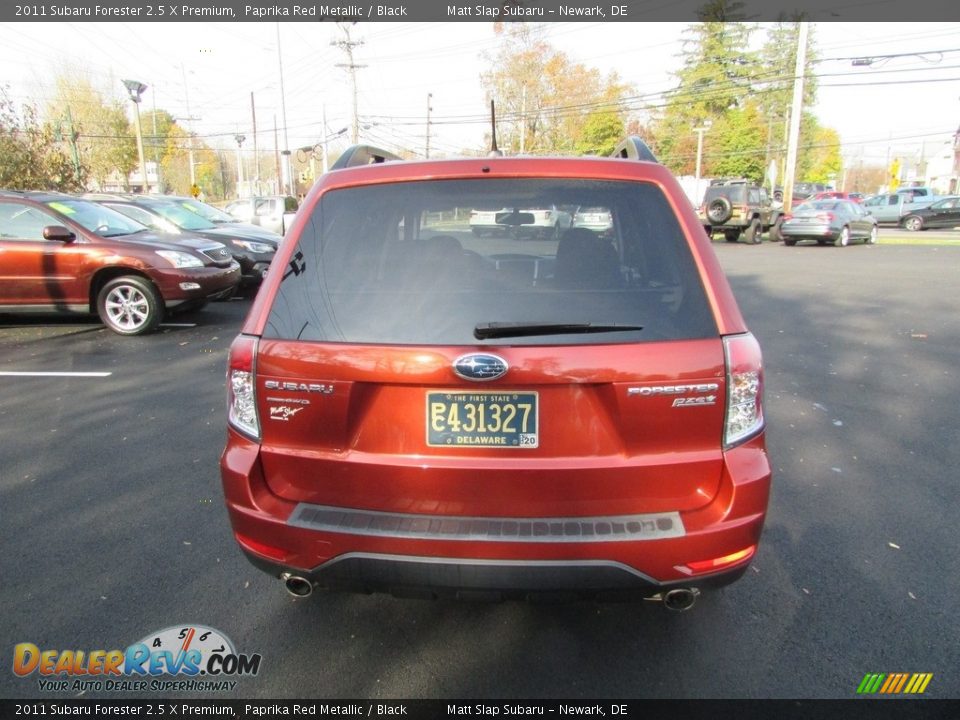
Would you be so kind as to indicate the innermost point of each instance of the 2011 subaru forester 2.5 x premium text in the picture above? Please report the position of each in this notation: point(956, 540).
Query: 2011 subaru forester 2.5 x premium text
point(416, 409)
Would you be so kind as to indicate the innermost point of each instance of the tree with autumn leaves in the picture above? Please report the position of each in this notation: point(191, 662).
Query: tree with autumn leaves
point(31, 157)
point(82, 138)
point(549, 104)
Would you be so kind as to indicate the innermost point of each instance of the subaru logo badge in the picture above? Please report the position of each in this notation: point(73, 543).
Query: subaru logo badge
point(479, 366)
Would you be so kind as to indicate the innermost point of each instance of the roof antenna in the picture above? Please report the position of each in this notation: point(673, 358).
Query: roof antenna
point(494, 152)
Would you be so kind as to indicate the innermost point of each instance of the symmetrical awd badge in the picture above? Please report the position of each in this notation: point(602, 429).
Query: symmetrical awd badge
point(480, 367)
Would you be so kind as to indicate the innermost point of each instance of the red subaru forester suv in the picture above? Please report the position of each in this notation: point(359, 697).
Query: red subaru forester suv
point(417, 409)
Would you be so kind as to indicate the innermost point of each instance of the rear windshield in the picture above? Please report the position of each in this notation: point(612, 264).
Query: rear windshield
point(735, 193)
point(404, 264)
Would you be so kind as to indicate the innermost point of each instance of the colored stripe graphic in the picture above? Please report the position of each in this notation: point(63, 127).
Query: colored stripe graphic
point(873, 683)
point(894, 683)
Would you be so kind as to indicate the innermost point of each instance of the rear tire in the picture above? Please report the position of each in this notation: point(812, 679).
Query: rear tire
point(843, 239)
point(751, 235)
point(776, 233)
point(789, 242)
point(129, 305)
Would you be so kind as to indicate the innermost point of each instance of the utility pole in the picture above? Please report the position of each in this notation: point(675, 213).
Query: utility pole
point(239, 138)
point(189, 118)
point(347, 46)
point(427, 153)
point(523, 119)
point(700, 131)
point(276, 152)
point(156, 158)
point(283, 110)
point(795, 113)
point(256, 151)
point(325, 138)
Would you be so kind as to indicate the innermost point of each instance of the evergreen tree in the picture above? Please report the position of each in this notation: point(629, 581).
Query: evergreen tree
point(715, 78)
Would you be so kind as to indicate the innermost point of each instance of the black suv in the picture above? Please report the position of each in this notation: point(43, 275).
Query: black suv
point(253, 252)
point(738, 207)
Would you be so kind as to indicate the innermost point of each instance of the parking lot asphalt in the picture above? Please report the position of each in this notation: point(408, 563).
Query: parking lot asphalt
point(112, 523)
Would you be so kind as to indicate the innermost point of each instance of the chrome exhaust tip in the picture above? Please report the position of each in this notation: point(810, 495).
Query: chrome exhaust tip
point(297, 586)
point(680, 599)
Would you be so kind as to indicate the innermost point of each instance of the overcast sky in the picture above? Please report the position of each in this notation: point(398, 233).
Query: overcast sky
point(900, 103)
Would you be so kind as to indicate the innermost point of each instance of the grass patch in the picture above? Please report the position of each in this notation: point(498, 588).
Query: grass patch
point(921, 240)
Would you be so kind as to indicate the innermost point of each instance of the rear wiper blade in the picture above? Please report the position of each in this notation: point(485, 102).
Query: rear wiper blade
point(484, 331)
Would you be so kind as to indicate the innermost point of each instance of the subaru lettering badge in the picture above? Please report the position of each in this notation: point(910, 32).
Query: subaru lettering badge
point(478, 366)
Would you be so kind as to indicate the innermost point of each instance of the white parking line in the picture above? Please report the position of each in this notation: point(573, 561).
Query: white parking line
point(56, 374)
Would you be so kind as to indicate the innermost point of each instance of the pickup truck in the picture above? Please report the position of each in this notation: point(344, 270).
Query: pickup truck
point(891, 208)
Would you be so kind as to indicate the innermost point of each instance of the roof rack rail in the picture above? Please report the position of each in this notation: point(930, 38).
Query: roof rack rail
point(363, 155)
point(633, 148)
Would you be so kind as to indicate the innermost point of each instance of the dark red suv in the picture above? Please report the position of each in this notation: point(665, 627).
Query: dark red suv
point(60, 254)
point(418, 409)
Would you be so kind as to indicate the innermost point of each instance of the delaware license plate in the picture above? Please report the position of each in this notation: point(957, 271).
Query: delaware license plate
point(482, 419)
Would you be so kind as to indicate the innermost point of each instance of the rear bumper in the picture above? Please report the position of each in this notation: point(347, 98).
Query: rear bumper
point(808, 231)
point(429, 577)
point(634, 556)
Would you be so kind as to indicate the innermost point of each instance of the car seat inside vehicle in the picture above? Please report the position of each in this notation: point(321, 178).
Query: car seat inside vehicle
point(586, 261)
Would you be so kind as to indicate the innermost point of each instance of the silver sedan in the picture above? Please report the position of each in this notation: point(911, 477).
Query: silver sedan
point(839, 222)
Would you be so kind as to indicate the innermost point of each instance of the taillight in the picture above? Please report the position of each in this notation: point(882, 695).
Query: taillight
point(260, 548)
point(715, 564)
point(744, 389)
point(241, 392)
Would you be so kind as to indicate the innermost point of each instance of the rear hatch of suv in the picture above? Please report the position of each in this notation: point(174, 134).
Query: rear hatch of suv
point(406, 365)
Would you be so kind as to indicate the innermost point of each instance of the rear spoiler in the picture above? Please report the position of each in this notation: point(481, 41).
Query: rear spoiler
point(356, 155)
point(630, 148)
point(633, 148)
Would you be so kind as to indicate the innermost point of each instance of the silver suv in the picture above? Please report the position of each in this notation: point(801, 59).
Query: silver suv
point(272, 212)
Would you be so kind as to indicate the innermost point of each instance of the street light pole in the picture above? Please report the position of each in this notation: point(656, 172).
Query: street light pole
point(136, 89)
